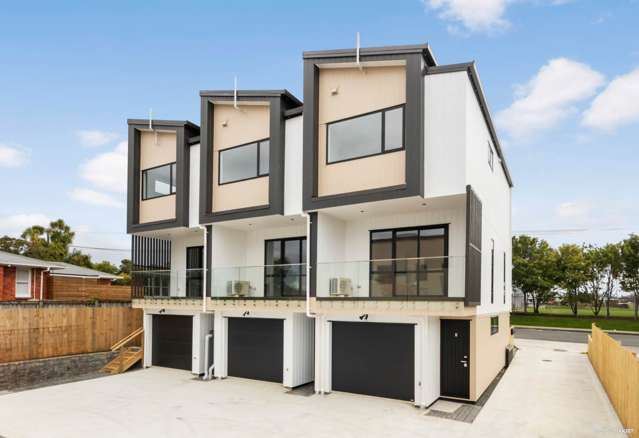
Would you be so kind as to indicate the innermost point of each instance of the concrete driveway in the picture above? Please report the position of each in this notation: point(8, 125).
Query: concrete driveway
point(545, 393)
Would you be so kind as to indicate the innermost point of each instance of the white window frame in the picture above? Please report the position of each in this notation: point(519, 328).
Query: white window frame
point(28, 294)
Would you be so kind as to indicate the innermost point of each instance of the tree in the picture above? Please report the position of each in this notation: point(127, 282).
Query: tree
point(571, 267)
point(533, 269)
point(596, 270)
point(13, 245)
point(610, 256)
point(80, 259)
point(630, 268)
point(106, 266)
point(51, 243)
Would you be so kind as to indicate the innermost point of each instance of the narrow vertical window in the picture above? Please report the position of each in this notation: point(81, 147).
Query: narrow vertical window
point(492, 271)
point(491, 157)
point(504, 277)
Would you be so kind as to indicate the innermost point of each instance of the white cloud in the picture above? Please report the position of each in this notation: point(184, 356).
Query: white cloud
point(13, 156)
point(474, 15)
point(575, 210)
point(95, 138)
point(107, 171)
point(14, 225)
point(94, 197)
point(549, 96)
point(616, 105)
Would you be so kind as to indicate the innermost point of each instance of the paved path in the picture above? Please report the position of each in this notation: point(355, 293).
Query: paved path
point(550, 390)
point(570, 336)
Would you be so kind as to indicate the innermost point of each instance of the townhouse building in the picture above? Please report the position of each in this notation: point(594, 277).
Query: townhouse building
point(360, 240)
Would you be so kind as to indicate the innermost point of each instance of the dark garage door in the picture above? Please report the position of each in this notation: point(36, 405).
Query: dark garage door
point(172, 341)
point(256, 348)
point(374, 359)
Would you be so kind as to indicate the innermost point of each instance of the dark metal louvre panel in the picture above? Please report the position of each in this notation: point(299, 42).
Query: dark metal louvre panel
point(147, 254)
point(473, 247)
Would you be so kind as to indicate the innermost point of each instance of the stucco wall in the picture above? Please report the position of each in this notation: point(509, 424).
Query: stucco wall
point(489, 351)
point(246, 124)
point(154, 154)
point(358, 92)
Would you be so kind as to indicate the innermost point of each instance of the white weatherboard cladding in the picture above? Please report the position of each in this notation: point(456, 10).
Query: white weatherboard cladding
point(299, 349)
point(178, 260)
point(427, 350)
point(293, 167)
point(444, 134)
point(493, 191)
point(194, 186)
point(343, 241)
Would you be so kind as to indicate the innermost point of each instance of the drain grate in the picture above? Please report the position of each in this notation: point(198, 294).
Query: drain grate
point(546, 360)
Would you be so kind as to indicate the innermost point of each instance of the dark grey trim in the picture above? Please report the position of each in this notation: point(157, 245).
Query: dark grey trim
point(471, 69)
point(423, 49)
point(312, 243)
point(194, 140)
point(183, 131)
point(289, 114)
point(473, 260)
point(279, 102)
point(209, 254)
point(253, 93)
point(413, 126)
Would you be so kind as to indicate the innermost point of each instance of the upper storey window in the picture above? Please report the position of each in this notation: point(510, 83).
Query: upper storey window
point(366, 135)
point(244, 162)
point(158, 181)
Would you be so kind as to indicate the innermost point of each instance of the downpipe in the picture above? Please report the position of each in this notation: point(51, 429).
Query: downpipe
point(205, 270)
point(208, 373)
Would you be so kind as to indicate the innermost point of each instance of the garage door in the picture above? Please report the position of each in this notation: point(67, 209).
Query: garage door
point(374, 359)
point(256, 348)
point(172, 341)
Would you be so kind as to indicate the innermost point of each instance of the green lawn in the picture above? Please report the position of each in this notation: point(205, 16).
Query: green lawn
point(572, 322)
point(583, 311)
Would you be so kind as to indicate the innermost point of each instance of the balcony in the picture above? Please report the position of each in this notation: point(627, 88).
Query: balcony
point(168, 283)
point(279, 281)
point(423, 278)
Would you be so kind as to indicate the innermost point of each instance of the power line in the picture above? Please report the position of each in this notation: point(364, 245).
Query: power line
point(95, 248)
point(569, 230)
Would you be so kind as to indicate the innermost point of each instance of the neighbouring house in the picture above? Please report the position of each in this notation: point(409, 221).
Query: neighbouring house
point(27, 278)
point(360, 240)
point(23, 278)
point(72, 282)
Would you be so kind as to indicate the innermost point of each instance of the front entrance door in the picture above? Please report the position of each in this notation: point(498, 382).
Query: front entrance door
point(455, 357)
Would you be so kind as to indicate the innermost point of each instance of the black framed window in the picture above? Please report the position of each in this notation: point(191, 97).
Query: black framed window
point(159, 181)
point(494, 325)
point(409, 262)
point(365, 135)
point(246, 161)
point(289, 279)
point(194, 271)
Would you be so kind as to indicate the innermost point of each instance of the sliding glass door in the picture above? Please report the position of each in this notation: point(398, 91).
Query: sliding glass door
point(285, 270)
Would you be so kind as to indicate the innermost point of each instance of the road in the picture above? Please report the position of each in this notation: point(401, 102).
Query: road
point(571, 336)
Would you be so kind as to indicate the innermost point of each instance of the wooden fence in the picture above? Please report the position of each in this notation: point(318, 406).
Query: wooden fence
point(39, 330)
point(618, 371)
point(86, 289)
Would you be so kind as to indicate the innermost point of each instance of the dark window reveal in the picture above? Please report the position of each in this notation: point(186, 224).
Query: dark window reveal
point(494, 325)
point(158, 181)
point(409, 262)
point(243, 162)
point(365, 135)
point(285, 273)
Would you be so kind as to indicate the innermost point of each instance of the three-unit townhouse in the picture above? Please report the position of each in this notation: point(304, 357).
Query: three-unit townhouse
point(360, 241)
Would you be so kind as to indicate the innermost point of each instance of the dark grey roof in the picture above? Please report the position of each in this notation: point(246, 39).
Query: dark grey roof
point(68, 269)
point(424, 49)
point(172, 123)
point(251, 93)
point(470, 68)
point(7, 258)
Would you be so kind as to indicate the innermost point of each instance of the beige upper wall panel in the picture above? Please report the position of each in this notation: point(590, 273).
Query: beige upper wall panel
point(359, 92)
point(248, 123)
point(157, 209)
point(152, 154)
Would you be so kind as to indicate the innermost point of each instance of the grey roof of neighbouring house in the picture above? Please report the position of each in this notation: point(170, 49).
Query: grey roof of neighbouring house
point(8, 258)
point(67, 269)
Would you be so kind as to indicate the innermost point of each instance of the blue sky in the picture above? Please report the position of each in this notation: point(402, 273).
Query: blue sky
point(560, 77)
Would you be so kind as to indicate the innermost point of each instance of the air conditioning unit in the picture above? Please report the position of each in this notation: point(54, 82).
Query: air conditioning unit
point(240, 288)
point(340, 287)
